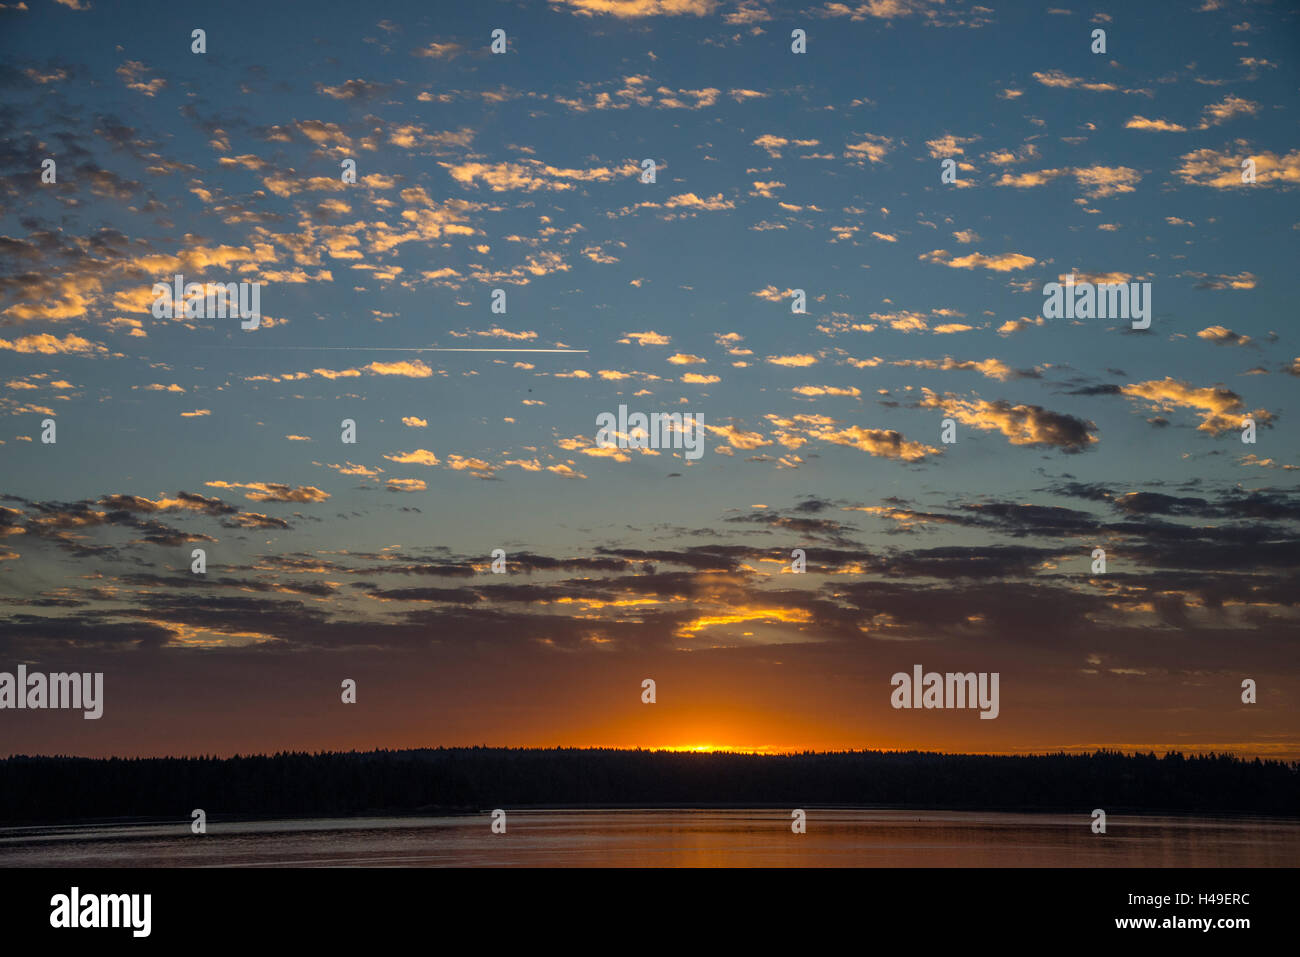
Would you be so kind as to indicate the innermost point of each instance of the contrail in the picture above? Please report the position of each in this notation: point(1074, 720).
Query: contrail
point(397, 349)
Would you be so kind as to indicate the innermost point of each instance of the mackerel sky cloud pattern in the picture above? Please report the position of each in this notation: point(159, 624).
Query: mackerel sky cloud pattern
point(776, 173)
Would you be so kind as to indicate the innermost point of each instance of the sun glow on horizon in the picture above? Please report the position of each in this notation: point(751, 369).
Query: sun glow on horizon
point(716, 749)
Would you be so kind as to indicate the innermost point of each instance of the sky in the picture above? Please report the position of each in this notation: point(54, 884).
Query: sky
point(774, 171)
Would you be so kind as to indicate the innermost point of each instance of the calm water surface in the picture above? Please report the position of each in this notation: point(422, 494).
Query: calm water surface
point(672, 838)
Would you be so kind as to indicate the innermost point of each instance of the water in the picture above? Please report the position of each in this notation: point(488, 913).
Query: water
point(672, 838)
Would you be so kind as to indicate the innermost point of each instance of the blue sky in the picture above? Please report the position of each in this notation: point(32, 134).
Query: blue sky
point(776, 171)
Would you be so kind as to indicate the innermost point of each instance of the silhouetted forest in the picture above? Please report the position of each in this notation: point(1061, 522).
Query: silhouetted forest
point(60, 789)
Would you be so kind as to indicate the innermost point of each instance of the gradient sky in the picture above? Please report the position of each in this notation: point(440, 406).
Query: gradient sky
point(776, 171)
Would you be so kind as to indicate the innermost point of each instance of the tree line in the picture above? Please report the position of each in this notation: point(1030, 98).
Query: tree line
point(65, 789)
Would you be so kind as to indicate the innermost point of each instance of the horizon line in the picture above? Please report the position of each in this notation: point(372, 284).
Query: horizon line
point(695, 750)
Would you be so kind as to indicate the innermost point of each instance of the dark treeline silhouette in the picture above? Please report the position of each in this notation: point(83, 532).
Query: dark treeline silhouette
point(54, 789)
